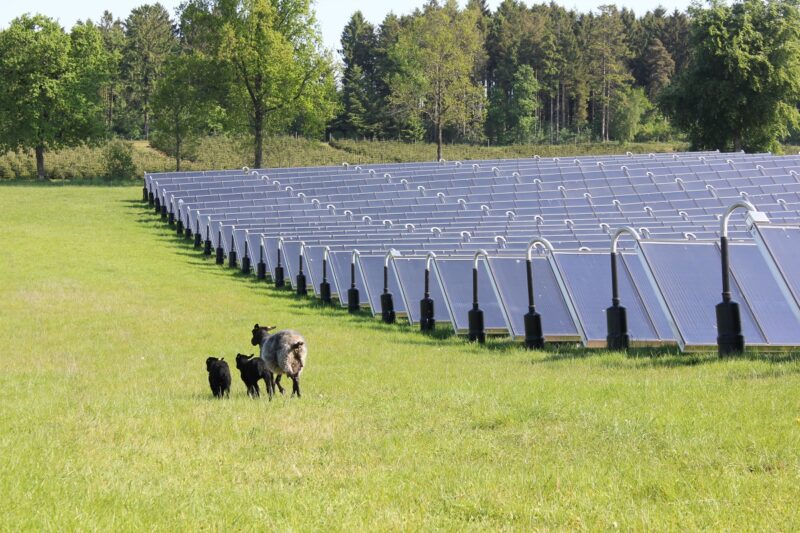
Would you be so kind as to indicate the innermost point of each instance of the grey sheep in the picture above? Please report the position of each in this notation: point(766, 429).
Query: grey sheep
point(284, 352)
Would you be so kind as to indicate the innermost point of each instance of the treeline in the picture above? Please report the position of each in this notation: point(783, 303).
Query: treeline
point(726, 76)
point(519, 74)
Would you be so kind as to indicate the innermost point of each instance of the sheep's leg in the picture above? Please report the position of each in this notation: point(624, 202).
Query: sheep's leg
point(296, 386)
point(256, 390)
point(270, 386)
point(278, 384)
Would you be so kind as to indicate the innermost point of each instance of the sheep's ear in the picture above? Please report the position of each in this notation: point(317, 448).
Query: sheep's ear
point(255, 327)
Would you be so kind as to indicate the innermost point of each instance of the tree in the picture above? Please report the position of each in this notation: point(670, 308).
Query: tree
point(741, 88)
point(608, 53)
point(523, 106)
point(659, 68)
point(628, 106)
point(360, 97)
point(113, 33)
point(178, 105)
point(50, 93)
point(150, 40)
point(269, 53)
point(435, 78)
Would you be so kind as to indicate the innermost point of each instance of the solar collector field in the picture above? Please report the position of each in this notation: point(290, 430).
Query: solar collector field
point(669, 280)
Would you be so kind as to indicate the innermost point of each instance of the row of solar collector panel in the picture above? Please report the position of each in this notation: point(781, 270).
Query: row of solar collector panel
point(286, 221)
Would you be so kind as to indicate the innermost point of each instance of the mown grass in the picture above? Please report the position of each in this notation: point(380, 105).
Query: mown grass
point(107, 421)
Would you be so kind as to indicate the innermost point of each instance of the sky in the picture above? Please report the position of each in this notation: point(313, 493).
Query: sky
point(331, 14)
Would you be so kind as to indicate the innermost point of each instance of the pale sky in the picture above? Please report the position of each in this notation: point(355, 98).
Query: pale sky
point(332, 14)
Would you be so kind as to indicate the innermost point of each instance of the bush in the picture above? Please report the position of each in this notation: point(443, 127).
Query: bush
point(119, 160)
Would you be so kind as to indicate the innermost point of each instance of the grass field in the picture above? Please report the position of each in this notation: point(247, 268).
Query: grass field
point(106, 419)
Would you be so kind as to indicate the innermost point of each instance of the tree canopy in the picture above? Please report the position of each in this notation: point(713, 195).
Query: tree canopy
point(742, 86)
point(50, 94)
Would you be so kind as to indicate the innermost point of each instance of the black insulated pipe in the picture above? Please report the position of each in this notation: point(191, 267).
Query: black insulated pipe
point(144, 190)
point(387, 300)
point(325, 287)
point(302, 290)
point(220, 251)
point(475, 315)
point(151, 199)
point(534, 337)
point(261, 268)
point(157, 204)
point(207, 244)
point(280, 282)
point(353, 302)
point(730, 340)
point(245, 259)
point(179, 227)
point(232, 254)
point(198, 239)
point(187, 233)
point(616, 315)
point(427, 320)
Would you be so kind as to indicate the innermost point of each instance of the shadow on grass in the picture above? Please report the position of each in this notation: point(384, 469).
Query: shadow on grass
point(663, 356)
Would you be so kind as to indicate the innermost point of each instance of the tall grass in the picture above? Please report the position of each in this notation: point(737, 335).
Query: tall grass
point(106, 420)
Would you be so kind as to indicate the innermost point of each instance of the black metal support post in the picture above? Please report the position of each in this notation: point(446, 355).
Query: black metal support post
point(261, 269)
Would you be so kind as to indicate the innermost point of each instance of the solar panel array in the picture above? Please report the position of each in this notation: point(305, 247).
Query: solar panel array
point(341, 223)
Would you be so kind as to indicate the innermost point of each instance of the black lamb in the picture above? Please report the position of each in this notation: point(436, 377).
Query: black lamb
point(254, 369)
point(219, 377)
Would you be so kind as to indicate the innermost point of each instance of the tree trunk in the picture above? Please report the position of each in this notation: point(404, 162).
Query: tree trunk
point(40, 161)
point(177, 154)
point(439, 139)
point(258, 127)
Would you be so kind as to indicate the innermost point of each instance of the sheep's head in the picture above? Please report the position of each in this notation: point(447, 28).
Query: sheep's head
point(210, 362)
point(241, 359)
point(260, 334)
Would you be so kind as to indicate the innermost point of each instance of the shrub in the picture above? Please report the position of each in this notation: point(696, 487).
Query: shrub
point(119, 160)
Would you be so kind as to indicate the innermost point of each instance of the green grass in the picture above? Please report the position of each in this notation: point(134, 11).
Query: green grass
point(106, 420)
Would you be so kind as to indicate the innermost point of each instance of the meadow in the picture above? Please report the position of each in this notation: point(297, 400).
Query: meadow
point(86, 164)
point(107, 422)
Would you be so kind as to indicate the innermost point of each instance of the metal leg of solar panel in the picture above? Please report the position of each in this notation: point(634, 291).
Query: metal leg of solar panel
point(151, 199)
point(245, 259)
point(144, 193)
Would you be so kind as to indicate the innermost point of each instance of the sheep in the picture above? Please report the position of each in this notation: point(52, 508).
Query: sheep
point(219, 377)
point(253, 370)
point(284, 352)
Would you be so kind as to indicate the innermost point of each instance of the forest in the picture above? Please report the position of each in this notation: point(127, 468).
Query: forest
point(720, 76)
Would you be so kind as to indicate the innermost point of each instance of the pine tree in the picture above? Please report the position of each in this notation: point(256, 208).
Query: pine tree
point(659, 68)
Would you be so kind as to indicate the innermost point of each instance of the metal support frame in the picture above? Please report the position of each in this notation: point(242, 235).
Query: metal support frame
point(534, 334)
